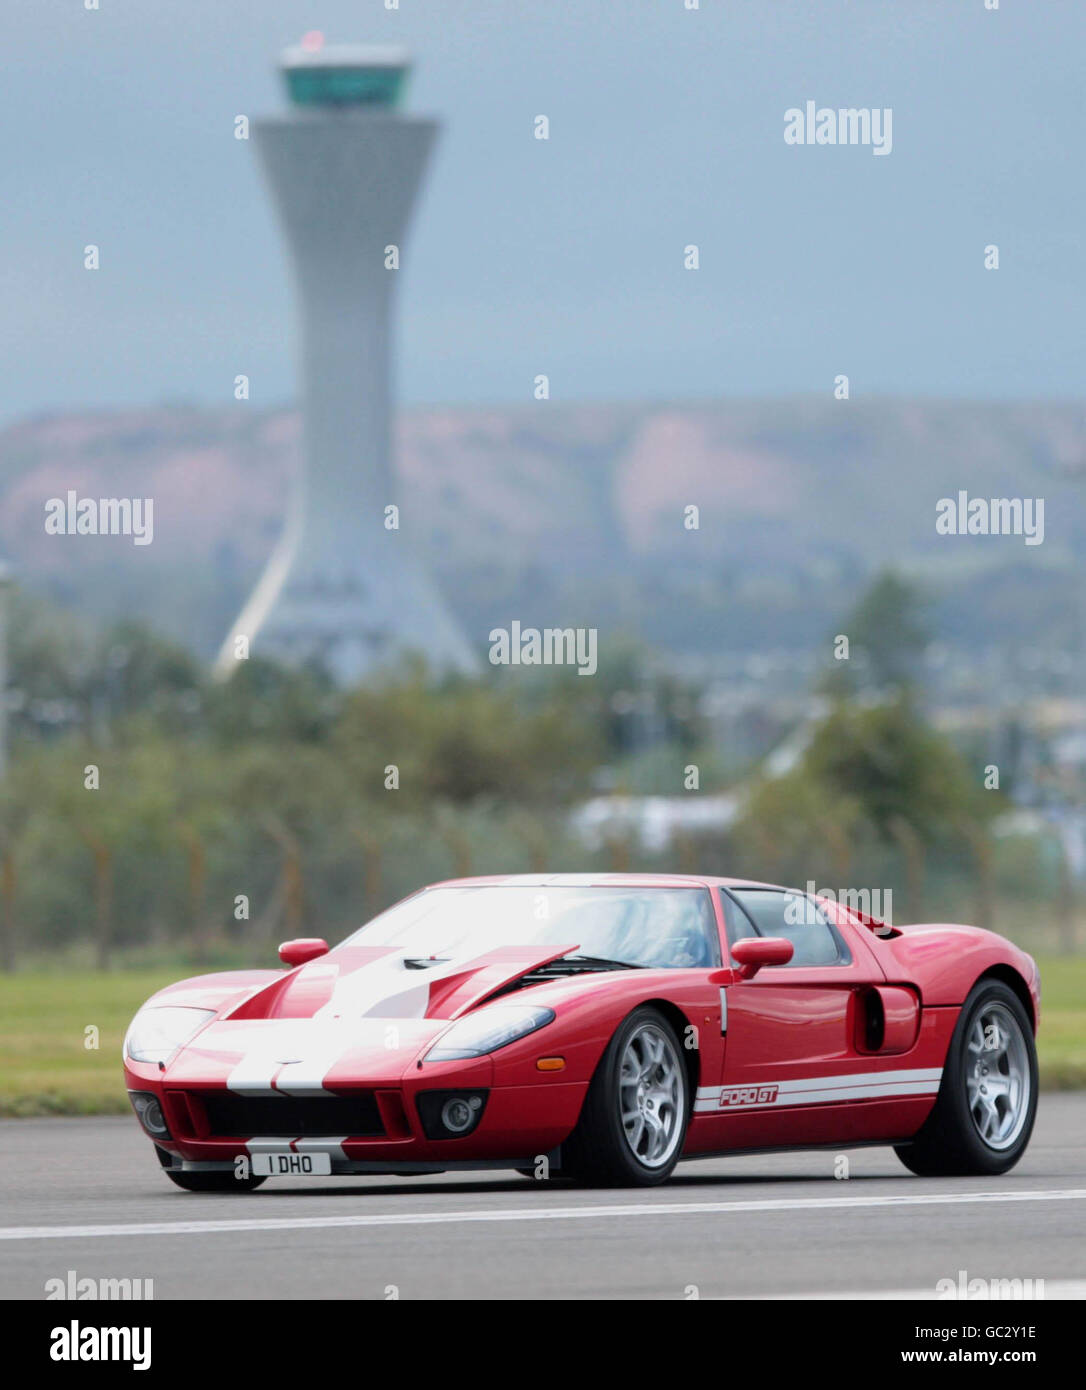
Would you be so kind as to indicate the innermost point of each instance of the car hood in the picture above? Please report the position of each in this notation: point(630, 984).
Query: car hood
point(357, 1011)
point(356, 982)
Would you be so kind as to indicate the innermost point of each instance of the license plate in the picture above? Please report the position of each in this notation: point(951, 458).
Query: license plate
point(290, 1165)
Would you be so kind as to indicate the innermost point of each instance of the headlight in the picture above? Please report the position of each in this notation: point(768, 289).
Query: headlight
point(486, 1031)
point(155, 1034)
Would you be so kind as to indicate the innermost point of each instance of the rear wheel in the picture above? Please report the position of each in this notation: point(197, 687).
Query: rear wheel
point(213, 1182)
point(987, 1101)
point(634, 1118)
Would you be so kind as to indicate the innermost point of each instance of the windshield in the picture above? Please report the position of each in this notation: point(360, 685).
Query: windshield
point(661, 927)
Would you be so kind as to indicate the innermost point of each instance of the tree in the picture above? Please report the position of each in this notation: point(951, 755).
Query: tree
point(466, 741)
point(887, 635)
point(896, 768)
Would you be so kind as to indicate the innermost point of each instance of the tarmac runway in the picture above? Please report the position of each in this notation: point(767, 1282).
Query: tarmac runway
point(87, 1195)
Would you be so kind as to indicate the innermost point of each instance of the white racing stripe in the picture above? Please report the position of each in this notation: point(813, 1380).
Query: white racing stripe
point(833, 1205)
point(306, 1077)
point(322, 1146)
point(289, 1057)
point(264, 1146)
point(817, 1090)
point(253, 1075)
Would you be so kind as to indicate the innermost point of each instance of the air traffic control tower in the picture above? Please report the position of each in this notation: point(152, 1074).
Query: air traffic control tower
point(344, 168)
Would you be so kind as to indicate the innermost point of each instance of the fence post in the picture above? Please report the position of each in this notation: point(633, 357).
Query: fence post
point(197, 875)
point(533, 835)
point(103, 894)
point(840, 852)
point(292, 878)
point(1066, 903)
point(686, 851)
point(371, 869)
point(460, 845)
point(7, 910)
point(981, 846)
point(913, 849)
point(618, 853)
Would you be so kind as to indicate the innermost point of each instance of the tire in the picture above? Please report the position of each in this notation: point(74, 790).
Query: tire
point(604, 1150)
point(213, 1182)
point(987, 1101)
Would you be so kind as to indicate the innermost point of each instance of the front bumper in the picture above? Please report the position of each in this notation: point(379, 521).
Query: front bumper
point(518, 1122)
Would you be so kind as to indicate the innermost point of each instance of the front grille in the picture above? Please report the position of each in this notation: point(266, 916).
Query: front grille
point(254, 1117)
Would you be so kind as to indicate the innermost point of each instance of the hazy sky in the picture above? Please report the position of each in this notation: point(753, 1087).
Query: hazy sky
point(563, 256)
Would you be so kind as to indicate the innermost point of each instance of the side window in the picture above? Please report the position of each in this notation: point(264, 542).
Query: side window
point(736, 921)
point(798, 919)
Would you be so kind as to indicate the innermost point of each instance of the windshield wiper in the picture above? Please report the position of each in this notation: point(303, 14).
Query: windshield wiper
point(604, 962)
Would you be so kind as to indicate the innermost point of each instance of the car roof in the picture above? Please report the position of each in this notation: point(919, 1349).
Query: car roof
point(602, 880)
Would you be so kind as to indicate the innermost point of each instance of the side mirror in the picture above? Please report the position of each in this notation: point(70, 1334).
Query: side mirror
point(752, 952)
point(304, 948)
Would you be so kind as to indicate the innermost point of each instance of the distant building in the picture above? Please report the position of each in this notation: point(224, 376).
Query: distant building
point(344, 168)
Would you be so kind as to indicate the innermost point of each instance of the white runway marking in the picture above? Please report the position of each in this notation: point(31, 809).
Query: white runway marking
point(1054, 1289)
point(835, 1205)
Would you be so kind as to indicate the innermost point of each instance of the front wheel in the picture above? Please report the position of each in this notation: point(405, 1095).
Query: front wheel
point(634, 1118)
point(213, 1182)
point(987, 1101)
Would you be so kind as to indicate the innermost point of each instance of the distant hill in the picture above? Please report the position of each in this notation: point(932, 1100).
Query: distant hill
point(555, 513)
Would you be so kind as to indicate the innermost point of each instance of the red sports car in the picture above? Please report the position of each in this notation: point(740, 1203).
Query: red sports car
point(595, 1027)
